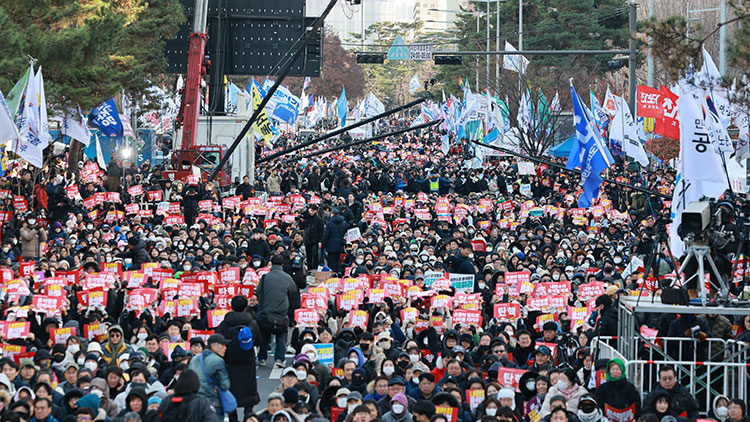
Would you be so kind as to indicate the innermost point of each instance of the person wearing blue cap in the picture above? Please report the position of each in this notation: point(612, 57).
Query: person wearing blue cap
point(241, 330)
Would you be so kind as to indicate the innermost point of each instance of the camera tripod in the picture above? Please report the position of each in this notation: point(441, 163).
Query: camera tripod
point(658, 248)
point(702, 253)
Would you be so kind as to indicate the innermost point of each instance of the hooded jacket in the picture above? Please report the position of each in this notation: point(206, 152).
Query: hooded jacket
point(618, 393)
point(105, 402)
point(111, 352)
point(135, 392)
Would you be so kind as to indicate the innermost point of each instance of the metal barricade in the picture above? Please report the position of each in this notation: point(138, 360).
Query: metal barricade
point(704, 380)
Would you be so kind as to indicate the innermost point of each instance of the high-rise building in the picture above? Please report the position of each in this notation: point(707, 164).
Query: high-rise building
point(346, 19)
point(438, 15)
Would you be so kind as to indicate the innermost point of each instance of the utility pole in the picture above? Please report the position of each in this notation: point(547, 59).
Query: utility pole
point(477, 81)
point(520, 25)
point(497, 40)
point(487, 64)
point(650, 46)
point(723, 38)
point(633, 54)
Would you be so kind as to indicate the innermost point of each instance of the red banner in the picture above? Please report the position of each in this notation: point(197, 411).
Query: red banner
point(669, 124)
point(649, 102)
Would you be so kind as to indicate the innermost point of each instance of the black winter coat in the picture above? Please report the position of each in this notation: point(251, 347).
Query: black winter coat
point(240, 363)
point(314, 226)
point(682, 401)
point(198, 409)
point(619, 394)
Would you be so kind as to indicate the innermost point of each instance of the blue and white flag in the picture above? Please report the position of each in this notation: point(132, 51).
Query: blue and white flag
point(600, 116)
point(284, 105)
point(589, 151)
point(106, 119)
point(342, 107)
point(414, 84)
point(445, 147)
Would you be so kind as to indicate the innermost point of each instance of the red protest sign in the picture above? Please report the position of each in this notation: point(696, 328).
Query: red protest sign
point(509, 377)
point(451, 413)
point(174, 220)
point(20, 204)
point(94, 297)
point(507, 312)
point(61, 335)
point(215, 317)
point(46, 304)
point(154, 195)
point(591, 290)
point(306, 317)
point(619, 415)
point(15, 330)
point(135, 190)
point(26, 269)
point(515, 280)
point(229, 275)
point(358, 319)
point(467, 317)
point(96, 332)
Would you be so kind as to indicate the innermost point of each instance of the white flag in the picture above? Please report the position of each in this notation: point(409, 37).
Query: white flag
point(610, 103)
point(374, 106)
point(29, 145)
point(75, 126)
point(44, 135)
point(623, 131)
point(516, 63)
point(8, 129)
point(524, 113)
point(414, 84)
point(445, 147)
point(99, 154)
point(699, 170)
point(555, 105)
point(710, 78)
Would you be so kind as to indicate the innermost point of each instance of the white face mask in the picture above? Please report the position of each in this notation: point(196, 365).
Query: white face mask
point(531, 385)
point(341, 402)
point(312, 357)
point(414, 358)
point(91, 365)
point(397, 408)
point(562, 385)
point(125, 366)
point(388, 370)
point(301, 375)
point(97, 393)
point(482, 286)
point(350, 408)
point(415, 380)
point(80, 361)
point(722, 411)
point(74, 348)
point(490, 411)
point(556, 276)
point(142, 336)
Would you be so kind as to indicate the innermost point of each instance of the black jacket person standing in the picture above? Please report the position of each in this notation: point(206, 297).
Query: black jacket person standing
point(242, 330)
point(314, 226)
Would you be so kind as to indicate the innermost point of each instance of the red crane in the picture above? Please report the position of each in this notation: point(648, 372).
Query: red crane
point(189, 154)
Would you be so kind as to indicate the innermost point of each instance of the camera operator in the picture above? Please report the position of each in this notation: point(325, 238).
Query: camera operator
point(313, 224)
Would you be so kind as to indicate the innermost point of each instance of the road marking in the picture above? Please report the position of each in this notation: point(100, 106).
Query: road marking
point(275, 373)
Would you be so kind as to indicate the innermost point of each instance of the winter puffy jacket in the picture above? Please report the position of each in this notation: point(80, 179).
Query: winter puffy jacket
point(214, 376)
point(333, 234)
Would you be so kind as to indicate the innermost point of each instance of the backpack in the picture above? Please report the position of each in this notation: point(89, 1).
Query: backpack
point(235, 353)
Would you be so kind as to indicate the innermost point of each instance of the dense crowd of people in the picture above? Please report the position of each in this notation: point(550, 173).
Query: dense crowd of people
point(407, 286)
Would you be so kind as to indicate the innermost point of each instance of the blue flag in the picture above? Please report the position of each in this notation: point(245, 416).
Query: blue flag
point(106, 119)
point(342, 107)
point(588, 151)
point(491, 137)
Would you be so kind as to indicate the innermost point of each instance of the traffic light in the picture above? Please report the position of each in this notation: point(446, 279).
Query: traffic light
point(447, 60)
point(370, 58)
point(616, 64)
